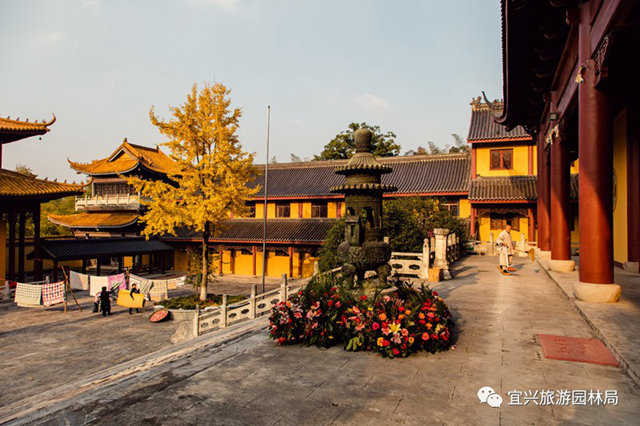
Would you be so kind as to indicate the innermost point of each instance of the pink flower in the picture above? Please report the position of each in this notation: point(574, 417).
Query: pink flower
point(425, 336)
point(404, 332)
point(359, 327)
point(396, 352)
point(386, 330)
point(375, 326)
point(338, 304)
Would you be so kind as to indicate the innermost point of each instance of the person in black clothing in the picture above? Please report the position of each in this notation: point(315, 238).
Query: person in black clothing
point(134, 289)
point(105, 302)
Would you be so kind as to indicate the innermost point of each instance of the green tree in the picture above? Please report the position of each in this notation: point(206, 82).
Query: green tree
point(342, 146)
point(408, 221)
point(459, 144)
point(328, 254)
point(211, 173)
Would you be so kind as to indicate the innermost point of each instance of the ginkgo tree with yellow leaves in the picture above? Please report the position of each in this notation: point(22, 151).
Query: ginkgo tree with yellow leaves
point(211, 171)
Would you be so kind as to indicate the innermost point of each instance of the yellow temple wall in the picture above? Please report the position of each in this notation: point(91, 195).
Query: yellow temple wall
point(464, 208)
point(243, 263)
point(620, 242)
point(520, 161)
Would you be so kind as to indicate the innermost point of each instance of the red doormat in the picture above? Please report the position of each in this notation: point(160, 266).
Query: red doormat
point(576, 349)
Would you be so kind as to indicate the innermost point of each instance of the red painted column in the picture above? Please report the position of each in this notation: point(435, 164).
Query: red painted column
point(37, 261)
point(532, 224)
point(472, 223)
point(560, 207)
point(290, 261)
point(543, 195)
point(253, 258)
point(596, 167)
point(633, 182)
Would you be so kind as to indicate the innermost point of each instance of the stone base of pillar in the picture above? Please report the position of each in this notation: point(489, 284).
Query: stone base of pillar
point(597, 293)
point(446, 275)
point(543, 254)
point(561, 265)
point(631, 267)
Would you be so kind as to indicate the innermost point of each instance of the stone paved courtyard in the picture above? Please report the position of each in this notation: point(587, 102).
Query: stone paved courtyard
point(253, 381)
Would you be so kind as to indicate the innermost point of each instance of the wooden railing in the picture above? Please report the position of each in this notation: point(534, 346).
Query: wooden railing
point(127, 201)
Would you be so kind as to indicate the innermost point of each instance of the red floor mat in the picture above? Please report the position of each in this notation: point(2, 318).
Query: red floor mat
point(576, 349)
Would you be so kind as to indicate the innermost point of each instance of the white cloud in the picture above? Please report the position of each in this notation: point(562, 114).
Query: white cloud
point(50, 37)
point(228, 5)
point(367, 100)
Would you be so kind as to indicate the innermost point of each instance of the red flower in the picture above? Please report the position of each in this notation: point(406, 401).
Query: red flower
point(435, 293)
point(425, 336)
point(330, 303)
point(401, 308)
point(396, 352)
point(385, 342)
point(281, 340)
point(375, 326)
point(363, 297)
point(338, 304)
point(430, 315)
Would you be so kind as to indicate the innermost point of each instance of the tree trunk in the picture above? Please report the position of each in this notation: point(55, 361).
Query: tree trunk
point(205, 262)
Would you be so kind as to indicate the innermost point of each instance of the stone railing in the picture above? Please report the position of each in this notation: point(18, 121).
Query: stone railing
point(439, 252)
point(257, 305)
point(123, 201)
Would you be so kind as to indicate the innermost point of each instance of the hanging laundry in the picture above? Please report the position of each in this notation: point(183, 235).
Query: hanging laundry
point(159, 290)
point(78, 281)
point(53, 293)
point(28, 295)
point(96, 283)
point(117, 282)
point(143, 284)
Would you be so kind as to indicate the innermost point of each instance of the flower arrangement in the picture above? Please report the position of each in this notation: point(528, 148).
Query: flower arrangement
point(394, 325)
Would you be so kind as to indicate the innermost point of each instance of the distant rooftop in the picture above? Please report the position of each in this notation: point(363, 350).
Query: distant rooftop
point(483, 127)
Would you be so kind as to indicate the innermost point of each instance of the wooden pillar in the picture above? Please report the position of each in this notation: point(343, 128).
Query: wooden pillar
point(253, 259)
point(151, 263)
point(98, 264)
point(472, 223)
point(84, 266)
point(543, 195)
point(290, 261)
point(232, 261)
point(300, 262)
point(633, 182)
point(220, 264)
point(22, 217)
point(560, 203)
point(596, 166)
point(11, 268)
point(37, 261)
point(55, 271)
point(532, 224)
point(120, 264)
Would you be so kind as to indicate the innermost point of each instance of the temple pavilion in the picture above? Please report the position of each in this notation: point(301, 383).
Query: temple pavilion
point(21, 196)
point(570, 80)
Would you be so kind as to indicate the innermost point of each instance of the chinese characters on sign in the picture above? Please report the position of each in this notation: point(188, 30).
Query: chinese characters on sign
point(563, 397)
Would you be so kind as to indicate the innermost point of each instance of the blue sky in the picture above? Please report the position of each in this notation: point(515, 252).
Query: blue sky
point(411, 67)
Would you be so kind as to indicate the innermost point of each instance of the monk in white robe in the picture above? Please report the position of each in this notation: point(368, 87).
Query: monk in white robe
point(505, 250)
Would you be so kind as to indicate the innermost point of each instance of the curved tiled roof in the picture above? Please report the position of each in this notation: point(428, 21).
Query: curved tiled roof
point(13, 130)
point(420, 174)
point(483, 126)
point(125, 159)
point(18, 185)
point(278, 230)
point(507, 188)
point(95, 220)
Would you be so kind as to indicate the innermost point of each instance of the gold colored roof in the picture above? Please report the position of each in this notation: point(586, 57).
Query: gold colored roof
point(13, 130)
point(13, 184)
point(126, 158)
point(94, 220)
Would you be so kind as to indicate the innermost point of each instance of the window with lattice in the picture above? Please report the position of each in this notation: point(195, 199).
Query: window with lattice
point(501, 159)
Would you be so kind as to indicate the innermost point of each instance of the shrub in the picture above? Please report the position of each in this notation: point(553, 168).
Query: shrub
point(189, 302)
point(328, 254)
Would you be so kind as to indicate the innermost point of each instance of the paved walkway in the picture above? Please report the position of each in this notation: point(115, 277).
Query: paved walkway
point(44, 348)
point(253, 381)
point(617, 324)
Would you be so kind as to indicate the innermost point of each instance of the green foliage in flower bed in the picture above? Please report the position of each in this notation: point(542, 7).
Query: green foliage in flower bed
point(397, 324)
point(189, 302)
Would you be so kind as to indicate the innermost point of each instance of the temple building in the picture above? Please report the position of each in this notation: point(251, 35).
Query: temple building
point(569, 70)
point(20, 197)
point(300, 208)
point(504, 168)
